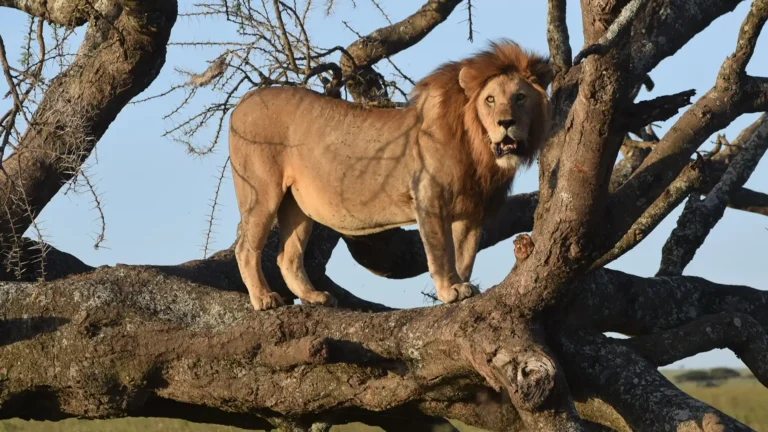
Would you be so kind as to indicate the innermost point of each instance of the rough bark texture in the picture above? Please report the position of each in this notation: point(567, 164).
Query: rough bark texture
point(529, 354)
point(123, 51)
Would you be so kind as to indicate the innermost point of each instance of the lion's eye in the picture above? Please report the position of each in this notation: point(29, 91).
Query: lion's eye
point(490, 99)
point(520, 97)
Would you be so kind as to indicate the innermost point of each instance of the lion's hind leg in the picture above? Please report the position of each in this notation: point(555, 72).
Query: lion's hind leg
point(258, 207)
point(295, 228)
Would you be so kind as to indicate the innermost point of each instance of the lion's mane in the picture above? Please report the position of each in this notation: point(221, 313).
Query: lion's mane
point(459, 117)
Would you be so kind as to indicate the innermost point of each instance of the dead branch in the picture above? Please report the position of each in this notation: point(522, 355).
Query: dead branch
point(697, 178)
point(699, 217)
point(658, 109)
point(738, 332)
point(363, 83)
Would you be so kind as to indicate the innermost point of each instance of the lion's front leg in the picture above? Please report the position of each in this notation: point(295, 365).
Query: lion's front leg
point(466, 240)
point(434, 222)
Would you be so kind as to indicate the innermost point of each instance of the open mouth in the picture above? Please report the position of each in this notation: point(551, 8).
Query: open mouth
point(508, 145)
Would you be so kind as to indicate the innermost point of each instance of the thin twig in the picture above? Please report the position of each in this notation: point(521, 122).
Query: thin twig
point(211, 217)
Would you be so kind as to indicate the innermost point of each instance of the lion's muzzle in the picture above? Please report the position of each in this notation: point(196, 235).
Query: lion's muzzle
point(511, 143)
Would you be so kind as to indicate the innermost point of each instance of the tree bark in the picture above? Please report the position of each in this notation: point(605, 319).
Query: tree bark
point(122, 53)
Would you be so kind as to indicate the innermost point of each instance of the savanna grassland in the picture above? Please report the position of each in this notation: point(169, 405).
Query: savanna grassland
point(743, 397)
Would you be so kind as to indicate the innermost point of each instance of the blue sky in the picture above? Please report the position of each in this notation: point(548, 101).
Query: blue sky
point(156, 196)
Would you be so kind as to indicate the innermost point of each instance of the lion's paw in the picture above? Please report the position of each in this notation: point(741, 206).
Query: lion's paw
point(320, 297)
point(457, 292)
point(268, 301)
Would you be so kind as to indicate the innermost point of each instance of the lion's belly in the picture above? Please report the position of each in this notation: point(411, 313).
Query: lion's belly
point(352, 207)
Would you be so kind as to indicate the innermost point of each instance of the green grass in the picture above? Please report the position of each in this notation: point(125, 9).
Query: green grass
point(745, 399)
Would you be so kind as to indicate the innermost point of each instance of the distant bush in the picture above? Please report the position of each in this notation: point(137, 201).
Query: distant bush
point(693, 376)
point(723, 373)
point(710, 378)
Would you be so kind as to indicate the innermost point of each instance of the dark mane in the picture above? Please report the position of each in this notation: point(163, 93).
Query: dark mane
point(458, 116)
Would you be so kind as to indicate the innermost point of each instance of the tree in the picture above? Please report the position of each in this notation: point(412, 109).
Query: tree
point(529, 354)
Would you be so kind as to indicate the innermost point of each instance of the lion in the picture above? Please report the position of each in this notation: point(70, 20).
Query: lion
point(440, 162)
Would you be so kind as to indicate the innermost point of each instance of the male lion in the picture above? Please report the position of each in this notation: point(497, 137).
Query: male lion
point(440, 162)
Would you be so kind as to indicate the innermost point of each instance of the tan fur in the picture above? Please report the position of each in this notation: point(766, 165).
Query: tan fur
point(301, 157)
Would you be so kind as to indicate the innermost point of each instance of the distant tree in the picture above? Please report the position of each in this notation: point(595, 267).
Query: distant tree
point(697, 376)
point(723, 373)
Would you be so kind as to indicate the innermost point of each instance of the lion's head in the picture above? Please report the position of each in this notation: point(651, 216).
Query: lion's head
point(496, 101)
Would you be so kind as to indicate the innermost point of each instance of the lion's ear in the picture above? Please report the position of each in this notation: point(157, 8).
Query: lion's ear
point(541, 71)
point(466, 79)
point(463, 78)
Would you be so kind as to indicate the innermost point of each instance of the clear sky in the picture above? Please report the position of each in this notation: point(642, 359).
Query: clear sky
point(156, 196)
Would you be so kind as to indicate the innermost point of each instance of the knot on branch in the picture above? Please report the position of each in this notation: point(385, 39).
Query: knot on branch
point(523, 247)
point(529, 379)
point(304, 351)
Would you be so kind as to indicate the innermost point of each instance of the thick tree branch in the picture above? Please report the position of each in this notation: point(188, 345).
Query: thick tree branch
point(662, 27)
point(611, 37)
point(717, 108)
point(364, 84)
point(62, 12)
point(645, 399)
point(399, 253)
point(699, 176)
point(116, 61)
point(738, 332)
point(143, 338)
point(613, 301)
point(699, 217)
point(750, 201)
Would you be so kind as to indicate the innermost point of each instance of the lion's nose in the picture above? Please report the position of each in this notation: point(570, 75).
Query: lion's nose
point(507, 123)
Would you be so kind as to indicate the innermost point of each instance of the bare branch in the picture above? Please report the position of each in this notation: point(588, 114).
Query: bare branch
point(674, 25)
point(749, 201)
point(610, 38)
point(716, 109)
point(214, 203)
point(557, 37)
point(613, 301)
point(387, 41)
point(284, 36)
point(641, 395)
point(738, 332)
point(661, 108)
point(78, 106)
point(699, 217)
point(62, 12)
point(688, 180)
